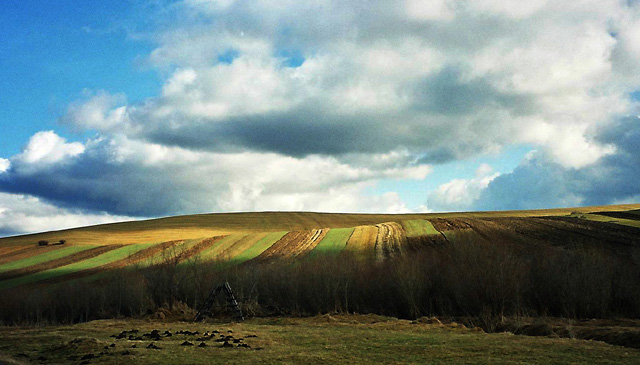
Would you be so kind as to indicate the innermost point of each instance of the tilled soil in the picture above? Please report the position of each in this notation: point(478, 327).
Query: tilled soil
point(555, 231)
point(293, 244)
point(391, 240)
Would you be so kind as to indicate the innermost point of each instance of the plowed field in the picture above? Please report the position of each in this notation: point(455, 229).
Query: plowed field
point(293, 244)
point(391, 240)
point(258, 237)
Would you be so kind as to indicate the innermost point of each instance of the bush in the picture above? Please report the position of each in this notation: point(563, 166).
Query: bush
point(471, 277)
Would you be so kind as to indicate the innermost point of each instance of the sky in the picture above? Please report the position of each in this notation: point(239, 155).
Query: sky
point(114, 111)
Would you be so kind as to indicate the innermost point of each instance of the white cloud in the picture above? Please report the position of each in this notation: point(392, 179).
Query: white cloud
point(461, 194)
point(27, 214)
point(4, 165)
point(100, 111)
point(45, 148)
point(385, 90)
point(127, 177)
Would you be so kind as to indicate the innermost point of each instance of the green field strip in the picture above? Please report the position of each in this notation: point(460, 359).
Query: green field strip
point(418, 228)
point(214, 252)
point(91, 263)
point(44, 257)
point(176, 249)
point(333, 242)
point(259, 247)
point(607, 219)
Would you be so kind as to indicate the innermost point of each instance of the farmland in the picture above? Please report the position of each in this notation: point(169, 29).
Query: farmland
point(483, 269)
point(244, 238)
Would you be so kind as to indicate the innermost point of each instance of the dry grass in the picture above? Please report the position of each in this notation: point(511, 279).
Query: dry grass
point(322, 339)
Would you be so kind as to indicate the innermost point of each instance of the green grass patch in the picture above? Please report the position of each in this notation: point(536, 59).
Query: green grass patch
point(333, 243)
point(43, 257)
point(94, 262)
point(606, 219)
point(259, 247)
point(418, 228)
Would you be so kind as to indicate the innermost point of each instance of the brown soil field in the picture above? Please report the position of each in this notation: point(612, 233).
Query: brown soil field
point(448, 224)
point(79, 256)
point(293, 244)
point(391, 240)
point(537, 231)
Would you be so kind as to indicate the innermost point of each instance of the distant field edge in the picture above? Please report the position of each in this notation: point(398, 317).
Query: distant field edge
point(270, 221)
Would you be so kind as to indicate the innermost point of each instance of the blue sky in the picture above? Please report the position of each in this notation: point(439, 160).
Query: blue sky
point(51, 51)
point(390, 106)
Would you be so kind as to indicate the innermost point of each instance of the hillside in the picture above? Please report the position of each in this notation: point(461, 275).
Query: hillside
point(239, 238)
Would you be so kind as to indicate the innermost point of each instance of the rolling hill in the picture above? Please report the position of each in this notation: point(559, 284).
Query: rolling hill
point(245, 238)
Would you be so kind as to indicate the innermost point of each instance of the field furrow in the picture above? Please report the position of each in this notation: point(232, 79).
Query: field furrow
point(194, 248)
point(53, 259)
point(390, 241)
point(217, 251)
point(259, 247)
point(161, 251)
point(293, 244)
point(333, 242)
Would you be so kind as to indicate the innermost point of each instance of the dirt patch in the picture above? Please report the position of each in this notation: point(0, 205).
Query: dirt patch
point(78, 256)
point(293, 244)
point(391, 240)
point(448, 224)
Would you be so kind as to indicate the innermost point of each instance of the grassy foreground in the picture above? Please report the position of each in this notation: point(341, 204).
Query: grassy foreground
point(321, 339)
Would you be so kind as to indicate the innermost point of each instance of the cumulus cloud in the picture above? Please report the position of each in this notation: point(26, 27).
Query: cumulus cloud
point(539, 182)
point(304, 106)
point(28, 214)
point(101, 111)
point(4, 164)
point(461, 194)
point(443, 79)
point(45, 149)
point(130, 177)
